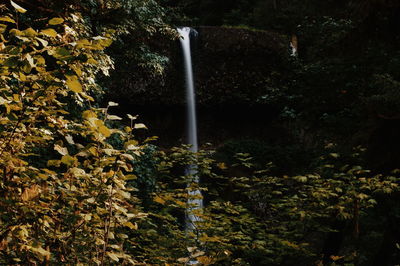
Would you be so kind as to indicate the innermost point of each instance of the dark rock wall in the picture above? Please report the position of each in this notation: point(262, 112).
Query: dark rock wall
point(231, 65)
point(233, 69)
point(236, 66)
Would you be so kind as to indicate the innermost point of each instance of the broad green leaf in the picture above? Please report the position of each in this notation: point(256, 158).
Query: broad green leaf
point(56, 21)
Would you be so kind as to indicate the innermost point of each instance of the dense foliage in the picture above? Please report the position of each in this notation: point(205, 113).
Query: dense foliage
point(79, 188)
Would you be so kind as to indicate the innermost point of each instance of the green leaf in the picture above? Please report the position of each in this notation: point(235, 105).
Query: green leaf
point(17, 7)
point(56, 21)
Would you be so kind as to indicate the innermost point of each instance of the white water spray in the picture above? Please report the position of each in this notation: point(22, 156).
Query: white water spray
point(195, 201)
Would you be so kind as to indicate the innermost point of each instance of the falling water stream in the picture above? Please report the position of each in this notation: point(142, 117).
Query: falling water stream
point(195, 201)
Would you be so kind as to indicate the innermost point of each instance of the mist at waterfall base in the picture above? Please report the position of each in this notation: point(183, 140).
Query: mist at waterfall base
point(195, 201)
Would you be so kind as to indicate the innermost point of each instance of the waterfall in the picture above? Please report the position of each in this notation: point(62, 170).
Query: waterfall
point(195, 201)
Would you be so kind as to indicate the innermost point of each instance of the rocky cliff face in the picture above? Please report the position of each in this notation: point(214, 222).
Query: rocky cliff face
point(231, 65)
point(237, 66)
point(235, 71)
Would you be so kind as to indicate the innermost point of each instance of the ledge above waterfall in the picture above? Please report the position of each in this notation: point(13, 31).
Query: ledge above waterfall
point(242, 40)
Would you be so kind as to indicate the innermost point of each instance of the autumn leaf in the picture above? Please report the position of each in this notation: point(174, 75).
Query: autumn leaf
point(30, 193)
point(61, 150)
point(17, 7)
point(74, 84)
point(49, 32)
point(56, 21)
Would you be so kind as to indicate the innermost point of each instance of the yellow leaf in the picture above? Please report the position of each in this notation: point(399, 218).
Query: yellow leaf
point(130, 177)
point(113, 117)
point(222, 166)
point(17, 7)
point(205, 260)
point(191, 249)
point(56, 21)
point(61, 150)
point(159, 200)
point(206, 238)
point(91, 200)
point(3, 29)
point(113, 256)
point(44, 43)
point(105, 131)
point(335, 258)
point(74, 84)
point(183, 260)
point(131, 117)
point(87, 217)
point(180, 203)
point(68, 160)
point(131, 225)
point(29, 32)
point(55, 163)
point(112, 104)
point(89, 114)
point(49, 32)
point(93, 151)
point(7, 19)
point(197, 254)
point(30, 193)
point(137, 126)
point(16, 32)
point(69, 139)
